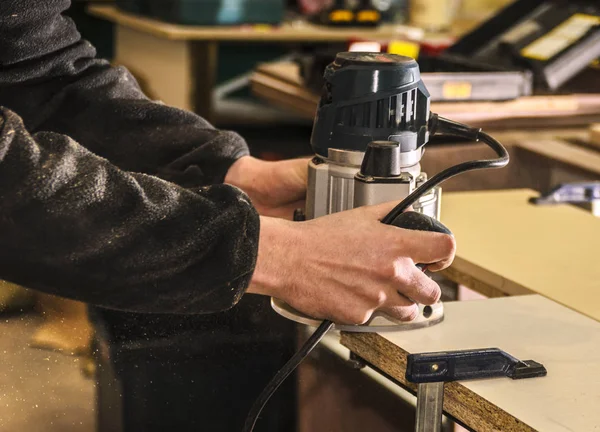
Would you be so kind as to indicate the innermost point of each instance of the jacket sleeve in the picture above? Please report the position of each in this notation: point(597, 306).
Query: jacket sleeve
point(74, 225)
point(52, 79)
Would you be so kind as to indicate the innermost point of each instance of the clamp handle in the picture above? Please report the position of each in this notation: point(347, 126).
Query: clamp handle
point(469, 364)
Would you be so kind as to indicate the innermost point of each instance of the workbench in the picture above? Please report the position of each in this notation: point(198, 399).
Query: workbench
point(508, 246)
point(527, 327)
point(177, 63)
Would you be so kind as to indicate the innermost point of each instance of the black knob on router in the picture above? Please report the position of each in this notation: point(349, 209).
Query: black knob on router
point(382, 159)
point(420, 222)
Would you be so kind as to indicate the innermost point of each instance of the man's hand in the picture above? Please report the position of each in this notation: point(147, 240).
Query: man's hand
point(347, 265)
point(275, 188)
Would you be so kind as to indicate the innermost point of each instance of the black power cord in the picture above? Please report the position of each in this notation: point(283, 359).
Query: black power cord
point(442, 126)
point(437, 125)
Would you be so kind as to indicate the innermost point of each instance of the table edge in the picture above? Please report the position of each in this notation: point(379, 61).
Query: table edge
point(198, 33)
point(472, 414)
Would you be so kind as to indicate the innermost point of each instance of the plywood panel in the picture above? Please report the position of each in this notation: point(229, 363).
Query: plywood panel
point(528, 327)
point(519, 248)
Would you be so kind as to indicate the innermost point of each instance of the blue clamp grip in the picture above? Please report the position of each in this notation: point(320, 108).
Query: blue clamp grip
point(468, 365)
point(583, 192)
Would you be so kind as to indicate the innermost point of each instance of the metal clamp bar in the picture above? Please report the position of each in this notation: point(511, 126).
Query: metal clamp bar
point(430, 402)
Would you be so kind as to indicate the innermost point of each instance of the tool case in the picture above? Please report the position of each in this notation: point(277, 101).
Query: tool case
point(531, 47)
point(553, 39)
point(208, 12)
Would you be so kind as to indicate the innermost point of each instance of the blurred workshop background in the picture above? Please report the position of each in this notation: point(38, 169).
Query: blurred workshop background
point(208, 69)
point(526, 70)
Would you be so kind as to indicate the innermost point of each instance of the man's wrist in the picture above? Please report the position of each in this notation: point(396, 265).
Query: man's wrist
point(243, 174)
point(276, 241)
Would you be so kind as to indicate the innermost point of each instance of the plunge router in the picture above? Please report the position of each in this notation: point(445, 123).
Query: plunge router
point(369, 133)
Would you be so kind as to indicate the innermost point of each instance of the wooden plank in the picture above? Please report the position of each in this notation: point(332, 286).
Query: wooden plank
point(285, 72)
point(528, 327)
point(566, 153)
point(594, 135)
point(287, 32)
point(515, 247)
point(284, 95)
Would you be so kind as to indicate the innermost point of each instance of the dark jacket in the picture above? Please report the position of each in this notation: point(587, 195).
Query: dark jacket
point(85, 211)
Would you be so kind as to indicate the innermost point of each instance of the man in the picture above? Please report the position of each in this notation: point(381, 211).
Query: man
point(119, 201)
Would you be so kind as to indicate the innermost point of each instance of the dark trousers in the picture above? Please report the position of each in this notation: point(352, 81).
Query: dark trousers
point(192, 373)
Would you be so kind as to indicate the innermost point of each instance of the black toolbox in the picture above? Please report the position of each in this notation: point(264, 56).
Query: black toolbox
point(553, 39)
point(530, 47)
point(208, 12)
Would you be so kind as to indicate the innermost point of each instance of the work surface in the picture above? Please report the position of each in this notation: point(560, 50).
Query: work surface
point(514, 247)
point(288, 32)
point(527, 327)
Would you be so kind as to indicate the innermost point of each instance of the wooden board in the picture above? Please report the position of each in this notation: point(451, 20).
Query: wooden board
point(281, 84)
point(286, 95)
point(594, 135)
point(515, 247)
point(287, 32)
point(528, 327)
point(162, 67)
point(572, 154)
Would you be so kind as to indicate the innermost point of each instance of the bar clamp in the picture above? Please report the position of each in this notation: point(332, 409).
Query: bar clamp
point(431, 370)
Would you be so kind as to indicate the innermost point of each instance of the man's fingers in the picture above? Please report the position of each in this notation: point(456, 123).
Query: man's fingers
point(425, 247)
point(440, 265)
point(402, 313)
point(400, 308)
point(416, 285)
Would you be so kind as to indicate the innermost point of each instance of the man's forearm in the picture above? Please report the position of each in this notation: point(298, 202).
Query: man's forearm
point(51, 78)
point(74, 225)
